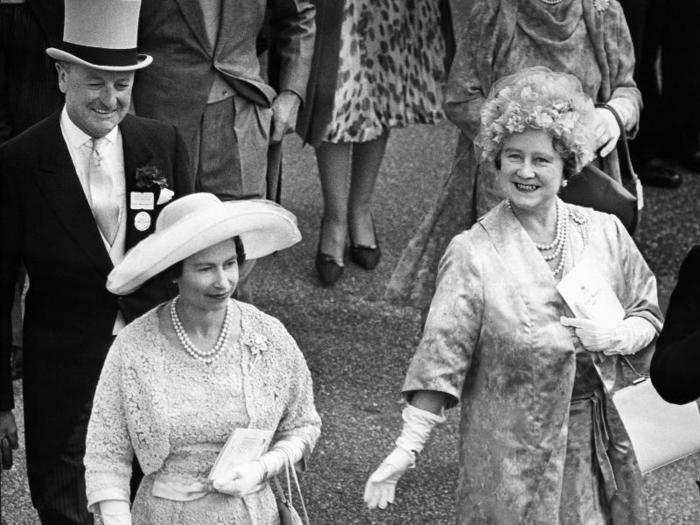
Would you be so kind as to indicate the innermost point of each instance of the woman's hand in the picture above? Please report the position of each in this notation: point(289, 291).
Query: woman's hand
point(242, 479)
point(115, 512)
point(624, 338)
point(381, 485)
point(605, 131)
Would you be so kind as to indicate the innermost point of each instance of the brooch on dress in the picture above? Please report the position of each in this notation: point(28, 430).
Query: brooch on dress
point(257, 344)
point(600, 5)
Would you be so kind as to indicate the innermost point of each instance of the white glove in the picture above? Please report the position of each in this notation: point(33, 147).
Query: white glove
point(289, 449)
point(417, 426)
point(381, 485)
point(605, 131)
point(115, 512)
point(243, 479)
point(626, 337)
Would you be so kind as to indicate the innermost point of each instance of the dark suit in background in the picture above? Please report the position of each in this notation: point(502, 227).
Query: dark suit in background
point(28, 91)
point(670, 122)
point(675, 367)
point(47, 224)
point(177, 87)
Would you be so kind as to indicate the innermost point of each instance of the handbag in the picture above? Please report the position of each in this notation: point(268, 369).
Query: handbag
point(660, 432)
point(594, 188)
point(288, 514)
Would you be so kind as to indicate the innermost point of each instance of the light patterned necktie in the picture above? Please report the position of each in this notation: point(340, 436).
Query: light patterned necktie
point(105, 206)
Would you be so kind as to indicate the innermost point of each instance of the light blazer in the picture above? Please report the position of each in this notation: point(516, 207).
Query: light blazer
point(46, 224)
point(176, 86)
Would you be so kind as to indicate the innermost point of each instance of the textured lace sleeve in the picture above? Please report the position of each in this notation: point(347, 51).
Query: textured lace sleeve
point(299, 418)
point(108, 450)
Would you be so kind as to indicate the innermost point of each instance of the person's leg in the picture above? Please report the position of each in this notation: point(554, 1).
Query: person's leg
point(646, 20)
point(366, 161)
point(334, 171)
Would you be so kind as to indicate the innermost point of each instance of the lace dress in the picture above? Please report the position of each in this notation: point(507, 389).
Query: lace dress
point(185, 412)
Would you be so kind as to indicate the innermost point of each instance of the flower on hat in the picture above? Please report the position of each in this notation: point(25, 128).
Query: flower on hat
point(538, 98)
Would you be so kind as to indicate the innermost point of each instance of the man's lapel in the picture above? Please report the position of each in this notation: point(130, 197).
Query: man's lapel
point(231, 18)
point(137, 154)
point(192, 13)
point(58, 181)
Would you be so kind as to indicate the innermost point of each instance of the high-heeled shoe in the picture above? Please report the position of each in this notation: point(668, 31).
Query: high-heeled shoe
point(366, 256)
point(328, 268)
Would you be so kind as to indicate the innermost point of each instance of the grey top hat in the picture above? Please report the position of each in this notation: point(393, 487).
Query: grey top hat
point(101, 34)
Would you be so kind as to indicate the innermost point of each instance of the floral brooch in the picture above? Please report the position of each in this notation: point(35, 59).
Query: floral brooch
point(601, 5)
point(257, 344)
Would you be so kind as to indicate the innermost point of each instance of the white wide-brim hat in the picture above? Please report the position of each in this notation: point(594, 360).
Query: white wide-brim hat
point(195, 222)
point(101, 34)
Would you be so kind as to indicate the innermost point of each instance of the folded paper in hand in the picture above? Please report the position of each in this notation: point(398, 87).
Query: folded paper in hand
point(244, 444)
point(661, 432)
point(589, 295)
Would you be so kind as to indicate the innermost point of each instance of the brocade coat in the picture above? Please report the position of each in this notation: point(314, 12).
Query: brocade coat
point(493, 342)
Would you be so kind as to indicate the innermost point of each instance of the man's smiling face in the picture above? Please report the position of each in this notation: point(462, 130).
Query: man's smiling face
point(96, 101)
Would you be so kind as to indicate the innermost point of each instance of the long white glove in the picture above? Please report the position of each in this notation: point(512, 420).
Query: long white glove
point(417, 426)
point(248, 477)
point(626, 337)
point(115, 512)
point(605, 131)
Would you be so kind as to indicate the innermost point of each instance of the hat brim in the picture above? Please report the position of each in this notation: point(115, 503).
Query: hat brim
point(64, 56)
point(263, 230)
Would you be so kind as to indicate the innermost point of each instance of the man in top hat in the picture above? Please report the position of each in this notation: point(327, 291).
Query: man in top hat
point(77, 190)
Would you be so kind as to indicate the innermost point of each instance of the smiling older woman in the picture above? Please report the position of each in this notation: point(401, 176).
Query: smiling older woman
point(178, 381)
point(541, 442)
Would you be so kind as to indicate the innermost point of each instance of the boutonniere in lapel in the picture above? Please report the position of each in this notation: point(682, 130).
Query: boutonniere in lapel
point(257, 344)
point(151, 190)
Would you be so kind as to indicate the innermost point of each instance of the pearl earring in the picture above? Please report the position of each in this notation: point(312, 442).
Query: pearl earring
point(564, 183)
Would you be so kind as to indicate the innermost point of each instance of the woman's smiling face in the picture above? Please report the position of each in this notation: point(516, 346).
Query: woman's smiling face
point(531, 170)
point(209, 277)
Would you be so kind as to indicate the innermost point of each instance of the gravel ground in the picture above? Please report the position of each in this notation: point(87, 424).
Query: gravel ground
point(357, 346)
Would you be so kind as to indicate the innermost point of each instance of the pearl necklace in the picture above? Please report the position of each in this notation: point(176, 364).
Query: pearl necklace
point(193, 351)
point(551, 2)
point(560, 243)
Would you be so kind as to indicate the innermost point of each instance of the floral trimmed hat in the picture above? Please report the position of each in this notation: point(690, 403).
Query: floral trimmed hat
point(539, 98)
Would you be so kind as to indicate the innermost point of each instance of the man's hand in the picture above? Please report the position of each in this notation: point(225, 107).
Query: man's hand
point(284, 114)
point(8, 438)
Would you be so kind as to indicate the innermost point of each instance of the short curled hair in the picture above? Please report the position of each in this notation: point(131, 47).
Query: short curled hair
point(538, 98)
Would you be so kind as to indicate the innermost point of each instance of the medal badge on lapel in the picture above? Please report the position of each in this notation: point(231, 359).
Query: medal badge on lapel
point(150, 191)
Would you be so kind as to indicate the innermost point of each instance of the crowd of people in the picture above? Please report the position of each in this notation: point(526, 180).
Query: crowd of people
point(139, 165)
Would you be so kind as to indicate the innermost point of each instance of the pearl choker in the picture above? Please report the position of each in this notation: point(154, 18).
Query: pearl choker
point(193, 351)
point(551, 2)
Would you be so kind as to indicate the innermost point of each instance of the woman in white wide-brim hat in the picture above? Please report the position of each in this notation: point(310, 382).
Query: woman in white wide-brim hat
point(182, 378)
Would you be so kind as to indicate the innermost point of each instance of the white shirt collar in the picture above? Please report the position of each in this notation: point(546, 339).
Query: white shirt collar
point(76, 137)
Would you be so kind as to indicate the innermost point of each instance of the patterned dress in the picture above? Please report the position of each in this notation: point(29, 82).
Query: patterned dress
point(392, 70)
